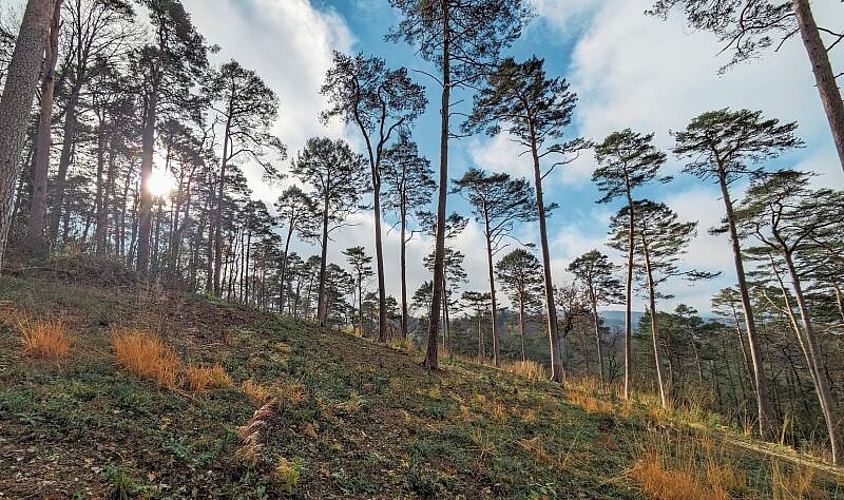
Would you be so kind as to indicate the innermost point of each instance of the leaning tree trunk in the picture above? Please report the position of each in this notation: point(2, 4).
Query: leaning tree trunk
point(16, 103)
point(557, 370)
point(522, 325)
point(654, 327)
point(431, 361)
point(828, 404)
point(824, 76)
point(767, 427)
point(36, 223)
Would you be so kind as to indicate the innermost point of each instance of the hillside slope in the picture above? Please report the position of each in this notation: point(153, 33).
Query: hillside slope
point(338, 416)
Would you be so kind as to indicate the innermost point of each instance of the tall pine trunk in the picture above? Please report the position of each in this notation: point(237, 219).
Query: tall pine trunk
point(36, 223)
point(431, 360)
point(557, 370)
point(767, 426)
point(491, 276)
point(379, 251)
point(813, 359)
point(824, 75)
point(322, 306)
point(654, 326)
point(403, 265)
point(16, 103)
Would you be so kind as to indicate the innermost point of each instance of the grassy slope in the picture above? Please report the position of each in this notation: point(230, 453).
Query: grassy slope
point(373, 424)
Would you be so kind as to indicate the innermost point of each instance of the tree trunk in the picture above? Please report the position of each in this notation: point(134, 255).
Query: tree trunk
point(379, 252)
point(145, 206)
point(522, 325)
point(36, 242)
point(283, 276)
point(557, 370)
point(491, 276)
point(824, 76)
point(322, 307)
point(431, 361)
point(218, 216)
point(403, 265)
point(654, 326)
point(16, 103)
point(767, 426)
point(828, 404)
point(598, 342)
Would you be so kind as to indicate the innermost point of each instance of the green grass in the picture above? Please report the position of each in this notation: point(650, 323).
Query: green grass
point(372, 423)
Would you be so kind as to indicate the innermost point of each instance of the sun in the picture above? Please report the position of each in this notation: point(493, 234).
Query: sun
point(160, 184)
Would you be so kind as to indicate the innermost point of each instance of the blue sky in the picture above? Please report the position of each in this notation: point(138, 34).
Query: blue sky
point(629, 70)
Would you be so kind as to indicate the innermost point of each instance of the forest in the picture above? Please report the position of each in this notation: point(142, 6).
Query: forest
point(128, 143)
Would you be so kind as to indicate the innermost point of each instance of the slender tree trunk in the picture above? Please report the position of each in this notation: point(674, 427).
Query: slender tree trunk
point(379, 251)
point(628, 296)
point(283, 276)
point(654, 324)
point(16, 103)
point(322, 306)
point(828, 404)
point(491, 276)
point(557, 370)
point(145, 207)
point(218, 222)
point(824, 75)
point(598, 342)
point(36, 242)
point(68, 142)
point(767, 426)
point(403, 264)
point(522, 325)
point(431, 359)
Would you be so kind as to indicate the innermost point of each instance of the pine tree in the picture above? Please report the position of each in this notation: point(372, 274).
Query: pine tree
point(726, 146)
point(498, 202)
point(361, 265)
point(627, 160)
point(534, 110)
point(520, 274)
point(462, 38)
point(336, 174)
point(595, 272)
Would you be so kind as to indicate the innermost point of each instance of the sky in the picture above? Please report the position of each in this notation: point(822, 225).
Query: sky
point(628, 69)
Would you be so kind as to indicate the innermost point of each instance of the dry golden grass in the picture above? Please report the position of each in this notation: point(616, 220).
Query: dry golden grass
point(661, 483)
point(45, 339)
point(590, 403)
point(199, 378)
point(295, 393)
point(257, 393)
point(530, 370)
point(147, 356)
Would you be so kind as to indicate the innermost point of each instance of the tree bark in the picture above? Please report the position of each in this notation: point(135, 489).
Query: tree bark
point(16, 103)
point(824, 75)
point(522, 325)
point(598, 342)
point(322, 307)
point(431, 360)
point(379, 252)
point(494, 306)
point(36, 242)
point(403, 265)
point(654, 326)
point(767, 426)
point(828, 404)
point(557, 370)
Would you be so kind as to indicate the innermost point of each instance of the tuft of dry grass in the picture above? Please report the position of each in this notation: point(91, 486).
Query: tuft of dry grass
point(295, 392)
point(590, 403)
point(257, 393)
point(147, 356)
point(661, 483)
point(200, 378)
point(45, 339)
point(250, 434)
point(797, 483)
point(530, 370)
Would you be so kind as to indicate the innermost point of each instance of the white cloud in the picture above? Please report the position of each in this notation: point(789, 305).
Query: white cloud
point(289, 44)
